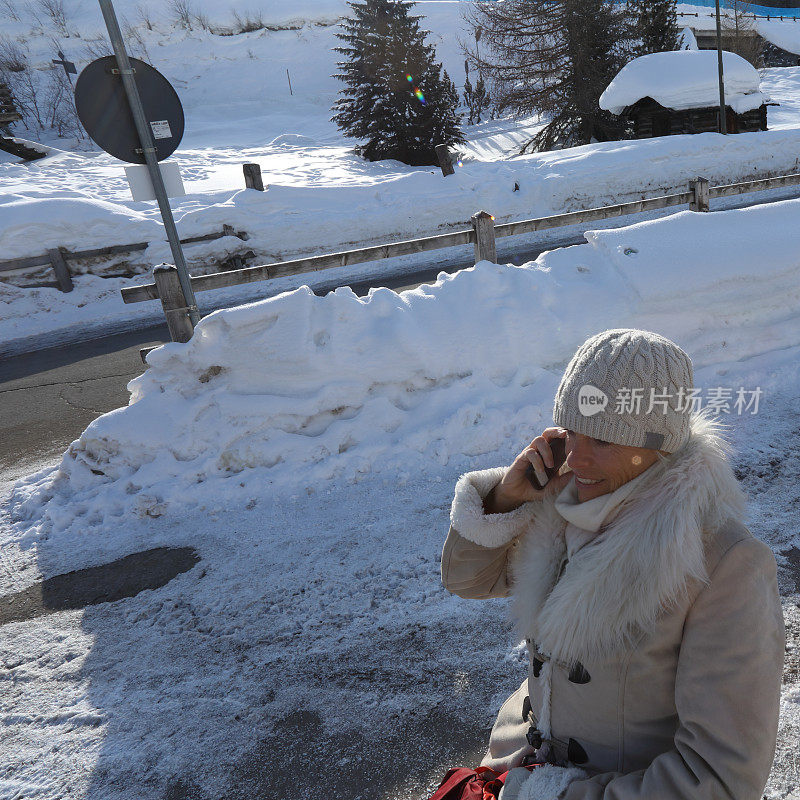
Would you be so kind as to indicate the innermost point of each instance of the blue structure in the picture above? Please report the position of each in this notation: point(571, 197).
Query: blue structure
point(752, 8)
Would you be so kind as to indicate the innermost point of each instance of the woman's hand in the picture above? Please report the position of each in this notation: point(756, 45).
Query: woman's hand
point(515, 488)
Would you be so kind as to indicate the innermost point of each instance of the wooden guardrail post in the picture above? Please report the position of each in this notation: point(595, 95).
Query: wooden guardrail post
point(445, 159)
point(252, 177)
point(699, 188)
point(485, 247)
point(59, 264)
point(173, 302)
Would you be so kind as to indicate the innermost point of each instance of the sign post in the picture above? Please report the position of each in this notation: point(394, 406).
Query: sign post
point(723, 117)
point(150, 155)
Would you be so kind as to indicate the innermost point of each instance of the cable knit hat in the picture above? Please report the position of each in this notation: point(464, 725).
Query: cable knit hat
point(628, 387)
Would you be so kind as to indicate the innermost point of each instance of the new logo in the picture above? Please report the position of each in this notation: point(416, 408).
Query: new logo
point(591, 400)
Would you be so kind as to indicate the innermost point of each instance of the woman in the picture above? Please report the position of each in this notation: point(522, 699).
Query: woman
point(651, 614)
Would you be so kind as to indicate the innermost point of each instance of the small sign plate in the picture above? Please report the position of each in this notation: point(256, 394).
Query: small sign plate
point(161, 129)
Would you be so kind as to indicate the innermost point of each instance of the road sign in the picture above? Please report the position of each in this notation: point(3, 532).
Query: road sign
point(105, 112)
point(69, 67)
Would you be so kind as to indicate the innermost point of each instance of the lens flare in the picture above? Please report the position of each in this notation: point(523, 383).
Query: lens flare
point(409, 78)
point(419, 95)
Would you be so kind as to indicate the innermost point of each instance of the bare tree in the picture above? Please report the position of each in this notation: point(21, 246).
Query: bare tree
point(55, 10)
point(553, 58)
point(59, 105)
point(249, 22)
point(145, 16)
point(11, 9)
point(136, 42)
point(739, 33)
point(202, 19)
point(183, 12)
point(96, 48)
point(43, 97)
point(13, 56)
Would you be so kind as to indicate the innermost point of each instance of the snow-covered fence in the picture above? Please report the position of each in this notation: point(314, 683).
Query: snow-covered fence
point(57, 258)
point(482, 235)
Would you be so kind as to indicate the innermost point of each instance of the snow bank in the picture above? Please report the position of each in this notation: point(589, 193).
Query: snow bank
point(382, 203)
point(683, 79)
point(29, 226)
point(330, 387)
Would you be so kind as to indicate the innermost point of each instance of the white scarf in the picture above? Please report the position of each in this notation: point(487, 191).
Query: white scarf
point(590, 515)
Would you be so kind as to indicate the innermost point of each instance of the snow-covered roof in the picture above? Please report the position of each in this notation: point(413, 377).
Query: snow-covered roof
point(682, 79)
point(785, 35)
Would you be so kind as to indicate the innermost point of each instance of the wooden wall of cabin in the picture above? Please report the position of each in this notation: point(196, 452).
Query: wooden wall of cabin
point(648, 123)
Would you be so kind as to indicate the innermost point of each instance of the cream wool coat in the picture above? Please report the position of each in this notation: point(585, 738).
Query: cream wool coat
point(661, 643)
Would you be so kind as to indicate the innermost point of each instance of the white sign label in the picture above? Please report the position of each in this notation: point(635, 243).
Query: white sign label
point(161, 129)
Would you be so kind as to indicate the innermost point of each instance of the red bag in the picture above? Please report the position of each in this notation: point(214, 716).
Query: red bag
point(481, 783)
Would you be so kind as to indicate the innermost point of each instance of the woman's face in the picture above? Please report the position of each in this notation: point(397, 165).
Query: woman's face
point(601, 467)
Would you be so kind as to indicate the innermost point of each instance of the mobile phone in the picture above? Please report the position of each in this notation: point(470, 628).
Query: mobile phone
point(558, 446)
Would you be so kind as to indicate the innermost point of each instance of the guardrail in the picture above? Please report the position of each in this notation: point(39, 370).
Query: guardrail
point(57, 257)
point(482, 234)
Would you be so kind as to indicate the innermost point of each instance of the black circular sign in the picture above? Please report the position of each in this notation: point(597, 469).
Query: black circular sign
point(104, 111)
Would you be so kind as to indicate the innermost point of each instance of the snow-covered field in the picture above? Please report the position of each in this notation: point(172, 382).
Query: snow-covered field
point(307, 447)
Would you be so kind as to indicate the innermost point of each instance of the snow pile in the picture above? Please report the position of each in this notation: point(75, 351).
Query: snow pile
point(329, 387)
point(683, 79)
point(31, 225)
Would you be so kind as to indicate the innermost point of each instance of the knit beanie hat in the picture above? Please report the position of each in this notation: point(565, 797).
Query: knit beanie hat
point(628, 387)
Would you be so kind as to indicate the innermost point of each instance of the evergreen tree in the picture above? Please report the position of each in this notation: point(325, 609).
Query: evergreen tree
point(397, 98)
point(656, 24)
point(554, 58)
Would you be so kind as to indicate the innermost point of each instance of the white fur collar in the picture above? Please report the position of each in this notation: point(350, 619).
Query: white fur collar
point(614, 587)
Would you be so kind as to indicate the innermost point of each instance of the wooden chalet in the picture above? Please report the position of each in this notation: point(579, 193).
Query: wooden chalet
point(650, 119)
point(677, 92)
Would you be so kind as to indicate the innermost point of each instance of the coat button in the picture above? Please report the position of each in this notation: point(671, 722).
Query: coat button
point(534, 737)
point(526, 708)
point(537, 667)
point(578, 673)
point(575, 753)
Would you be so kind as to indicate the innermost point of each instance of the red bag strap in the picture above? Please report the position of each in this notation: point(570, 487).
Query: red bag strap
point(453, 783)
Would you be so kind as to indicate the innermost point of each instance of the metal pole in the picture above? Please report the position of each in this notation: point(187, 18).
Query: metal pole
point(723, 127)
point(149, 151)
